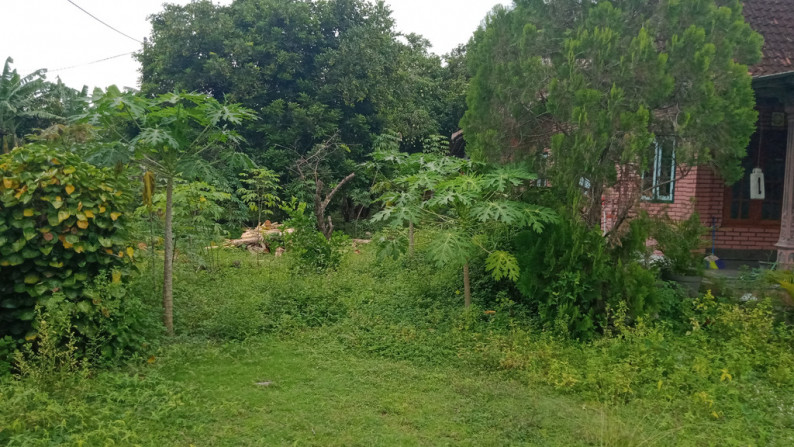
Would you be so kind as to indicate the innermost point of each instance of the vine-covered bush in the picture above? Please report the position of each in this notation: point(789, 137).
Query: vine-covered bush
point(61, 223)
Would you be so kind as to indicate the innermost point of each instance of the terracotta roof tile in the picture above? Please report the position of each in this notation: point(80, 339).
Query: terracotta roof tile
point(774, 19)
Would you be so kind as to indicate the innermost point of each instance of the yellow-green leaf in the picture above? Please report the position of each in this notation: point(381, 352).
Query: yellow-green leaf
point(31, 278)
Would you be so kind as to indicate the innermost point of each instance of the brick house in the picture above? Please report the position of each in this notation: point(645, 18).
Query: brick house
point(748, 228)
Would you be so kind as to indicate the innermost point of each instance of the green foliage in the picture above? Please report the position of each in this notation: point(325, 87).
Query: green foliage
point(572, 278)
point(19, 101)
point(62, 221)
point(681, 242)
point(106, 327)
point(72, 410)
point(258, 192)
point(473, 206)
point(502, 264)
point(312, 248)
point(314, 71)
point(198, 207)
point(173, 134)
point(594, 83)
point(725, 376)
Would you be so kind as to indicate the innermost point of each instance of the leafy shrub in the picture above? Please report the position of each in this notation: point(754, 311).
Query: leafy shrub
point(730, 357)
point(312, 248)
point(197, 210)
point(105, 326)
point(110, 323)
point(55, 355)
point(106, 409)
point(680, 241)
point(570, 277)
point(61, 222)
point(302, 304)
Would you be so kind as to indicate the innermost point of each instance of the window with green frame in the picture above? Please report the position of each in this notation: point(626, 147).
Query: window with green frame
point(658, 180)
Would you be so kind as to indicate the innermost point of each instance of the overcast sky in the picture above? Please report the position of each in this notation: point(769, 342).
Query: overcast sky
point(56, 35)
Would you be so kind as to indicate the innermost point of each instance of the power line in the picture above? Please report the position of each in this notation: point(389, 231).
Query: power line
point(90, 63)
point(100, 21)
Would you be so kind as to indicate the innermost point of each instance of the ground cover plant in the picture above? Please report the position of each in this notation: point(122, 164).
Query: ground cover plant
point(381, 352)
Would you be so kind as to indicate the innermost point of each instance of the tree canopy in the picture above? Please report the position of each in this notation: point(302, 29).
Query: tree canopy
point(586, 87)
point(307, 68)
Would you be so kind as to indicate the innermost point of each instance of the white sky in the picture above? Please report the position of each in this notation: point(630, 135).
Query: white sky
point(56, 35)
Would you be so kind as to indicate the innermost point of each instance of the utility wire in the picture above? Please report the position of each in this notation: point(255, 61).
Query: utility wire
point(100, 21)
point(90, 63)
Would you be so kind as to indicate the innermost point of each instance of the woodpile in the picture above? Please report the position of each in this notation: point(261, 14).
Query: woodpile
point(256, 240)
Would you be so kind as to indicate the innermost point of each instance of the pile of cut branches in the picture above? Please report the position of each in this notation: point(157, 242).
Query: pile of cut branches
point(260, 239)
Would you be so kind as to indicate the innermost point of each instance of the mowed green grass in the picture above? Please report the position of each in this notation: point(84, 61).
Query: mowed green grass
point(308, 392)
point(203, 394)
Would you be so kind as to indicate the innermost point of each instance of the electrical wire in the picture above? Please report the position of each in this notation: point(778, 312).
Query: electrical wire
point(90, 63)
point(100, 21)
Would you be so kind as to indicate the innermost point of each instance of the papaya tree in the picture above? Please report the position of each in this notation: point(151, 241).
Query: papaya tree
point(259, 191)
point(391, 169)
point(471, 207)
point(173, 135)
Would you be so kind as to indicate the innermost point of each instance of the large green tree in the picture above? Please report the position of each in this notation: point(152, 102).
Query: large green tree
point(312, 70)
point(585, 87)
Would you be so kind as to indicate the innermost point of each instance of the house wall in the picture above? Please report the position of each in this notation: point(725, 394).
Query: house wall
point(700, 189)
point(684, 192)
point(709, 203)
point(703, 191)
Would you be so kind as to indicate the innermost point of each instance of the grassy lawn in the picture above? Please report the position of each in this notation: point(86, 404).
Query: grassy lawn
point(376, 355)
point(316, 394)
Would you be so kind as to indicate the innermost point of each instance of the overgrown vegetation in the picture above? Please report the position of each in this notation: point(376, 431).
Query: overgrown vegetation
point(722, 371)
point(117, 216)
point(62, 223)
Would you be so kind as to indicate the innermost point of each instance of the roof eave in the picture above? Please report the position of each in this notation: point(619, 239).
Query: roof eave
point(773, 76)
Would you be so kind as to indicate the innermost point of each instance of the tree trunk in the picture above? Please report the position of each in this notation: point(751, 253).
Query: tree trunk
point(325, 224)
point(5, 143)
point(168, 270)
point(466, 285)
point(410, 238)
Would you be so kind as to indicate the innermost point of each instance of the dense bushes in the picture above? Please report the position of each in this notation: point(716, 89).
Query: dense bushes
point(571, 278)
point(61, 224)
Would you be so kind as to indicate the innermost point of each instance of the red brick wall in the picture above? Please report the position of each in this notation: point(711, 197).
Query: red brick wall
point(684, 191)
point(700, 189)
point(710, 197)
